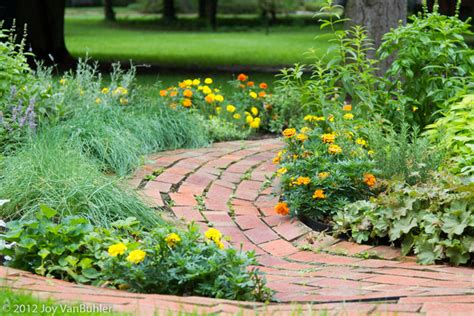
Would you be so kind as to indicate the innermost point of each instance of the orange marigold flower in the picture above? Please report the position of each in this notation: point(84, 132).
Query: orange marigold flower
point(328, 138)
point(370, 179)
point(289, 132)
point(282, 208)
point(209, 98)
point(188, 93)
point(250, 84)
point(263, 85)
point(187, 103)
point(302, 181)
point(302, 137)
point(242, 86)
point(173, 93)
point(163, 93)
point(242, 77)
point(276, 160)
point(319, 194)
point(262, 94)
point(347, 107)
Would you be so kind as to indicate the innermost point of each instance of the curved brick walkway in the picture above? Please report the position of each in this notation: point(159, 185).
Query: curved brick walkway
point(229, 186)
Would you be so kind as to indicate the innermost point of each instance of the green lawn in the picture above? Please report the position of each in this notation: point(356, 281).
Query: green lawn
point(142, 39)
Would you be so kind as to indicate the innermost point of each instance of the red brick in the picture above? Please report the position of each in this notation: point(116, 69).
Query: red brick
point(448, 309)
point(179, 170)
point(218, 192)
point(390, 279)
point(191, 189)
point(188, 213)
point(200, 179)
point(348, 248)
point(292, 230)
point(158, 186)
point(387, 252)
point(248, 222)
point(439, 299)
point(168, 177)
point(398, 307)
point(183, 199)
point(216, 205)
point(275, 220)
point(248, 190)
point(219, 218)
point(242, 207)
point(339, 283)
point(260, 235)
point(279, 248)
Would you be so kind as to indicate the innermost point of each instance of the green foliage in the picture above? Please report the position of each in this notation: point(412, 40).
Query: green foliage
point(434, 220)
point(403, 155)
point(325, 167)
point(433, 63)
point(455, 132)
point(220, 130)
point(162, 260)
point(50, 171)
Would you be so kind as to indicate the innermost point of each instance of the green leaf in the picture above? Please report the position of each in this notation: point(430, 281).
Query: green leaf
point(90, 273)
point(27, 243)
point(46, 211)
point(43, 253)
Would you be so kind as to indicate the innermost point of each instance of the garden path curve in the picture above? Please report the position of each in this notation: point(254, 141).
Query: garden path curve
point(229, 186)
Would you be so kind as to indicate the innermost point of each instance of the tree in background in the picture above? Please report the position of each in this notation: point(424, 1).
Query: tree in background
point(378, 17)
point(44, 20)
point(109, 12)
point(208, 12)
point(169, 11)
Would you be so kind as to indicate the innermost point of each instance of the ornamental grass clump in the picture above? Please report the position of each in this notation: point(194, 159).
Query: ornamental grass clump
point(128, 256)
point(49, 170)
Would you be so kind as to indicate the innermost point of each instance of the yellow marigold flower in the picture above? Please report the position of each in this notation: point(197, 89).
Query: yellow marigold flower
point(210, 98)
point(187, 103)
point(305, 130)
point(213, 234)
point(105, 90)
point(295, 157)
point(200, 88)
point(249, 119)
point(323, 175)
point(281, 171)
point(219, 98)
point(206, 90)
point(371, 153)
point(302, 137)
point(361, 141)
point(282, 208)
point(334, 149)
point(123, 101)
point(254, 111)
point(220, 245)
point(216, 90)
point(289, 132)
point(331, 118)
point(328, 138)
point(253, 95)
point(117, 249)
point(237, 116)
point(182, 85)
point(370, 179)
point(172, 239)
point(188, 82)
point(188, 93)
point(414, 109)
point(208, 81)
point(218, 110)
point(347, 107)
point(276, 160)
point(313, 118)
point(120, 91)
point(319, 194)
point(255, 123)
point(136, 256)
point(63, 81)
point(196, 82)
point(98, 100)
point(302, 181)
point(230, 108)
point(348, 116)
point(163, 93)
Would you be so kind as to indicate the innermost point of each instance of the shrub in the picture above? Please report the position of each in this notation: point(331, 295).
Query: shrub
point(455, 132)
point(326, 166)
point(433, 62)
point(50, 171)
point(434, 220)
point(162, 260)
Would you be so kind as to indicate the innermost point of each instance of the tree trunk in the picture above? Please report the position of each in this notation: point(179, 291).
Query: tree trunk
point(202, 9)
point(44, 21)
point(378, 17)
point(169, 12)
point(109, 10)
point(210, 12)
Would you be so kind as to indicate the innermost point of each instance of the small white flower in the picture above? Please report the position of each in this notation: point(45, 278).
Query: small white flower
point(2, 224)
point(7, 258)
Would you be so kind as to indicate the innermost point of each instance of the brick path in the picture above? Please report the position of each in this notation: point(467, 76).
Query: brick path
point(229, 186)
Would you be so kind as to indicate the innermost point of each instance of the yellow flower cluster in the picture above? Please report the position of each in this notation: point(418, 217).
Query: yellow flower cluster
point(302, 181)
point(215, 236)
point(136, 256)
point(172, 239)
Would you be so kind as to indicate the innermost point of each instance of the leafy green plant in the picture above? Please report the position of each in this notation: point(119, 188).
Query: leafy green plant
point(127, 256)
point(432, 63)
point(455, 132)
point(434, 220)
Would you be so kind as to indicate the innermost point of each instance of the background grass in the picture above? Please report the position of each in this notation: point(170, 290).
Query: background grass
point(143, 39)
